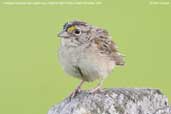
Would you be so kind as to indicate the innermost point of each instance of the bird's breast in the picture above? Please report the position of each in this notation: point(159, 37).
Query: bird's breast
point(91, 64)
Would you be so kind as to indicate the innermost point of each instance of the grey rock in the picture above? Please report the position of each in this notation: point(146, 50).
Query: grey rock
point(165, 110)
point(115, 101)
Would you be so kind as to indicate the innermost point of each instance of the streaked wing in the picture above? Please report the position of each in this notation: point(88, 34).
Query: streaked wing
point(106, 46)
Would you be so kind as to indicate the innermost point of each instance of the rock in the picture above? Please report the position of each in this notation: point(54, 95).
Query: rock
point(115, 101)
point(165, 110)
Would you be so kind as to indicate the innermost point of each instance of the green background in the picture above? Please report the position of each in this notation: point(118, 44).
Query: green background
point(31, 79)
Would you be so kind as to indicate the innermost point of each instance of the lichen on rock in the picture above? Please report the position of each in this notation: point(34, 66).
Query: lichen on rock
point(115, 101)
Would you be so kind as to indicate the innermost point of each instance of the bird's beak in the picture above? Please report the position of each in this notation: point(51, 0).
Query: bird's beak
point(63, 34)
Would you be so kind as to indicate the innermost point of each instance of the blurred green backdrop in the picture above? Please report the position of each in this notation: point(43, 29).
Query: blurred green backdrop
point(31, 79)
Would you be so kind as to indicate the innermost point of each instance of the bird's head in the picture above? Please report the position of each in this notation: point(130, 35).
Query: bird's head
point(76, 31)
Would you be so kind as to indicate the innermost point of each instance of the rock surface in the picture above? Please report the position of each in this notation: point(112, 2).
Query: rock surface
point(115, 101)
point(165, 110)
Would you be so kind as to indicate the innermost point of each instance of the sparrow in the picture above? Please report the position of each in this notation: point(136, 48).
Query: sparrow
point(88, 53)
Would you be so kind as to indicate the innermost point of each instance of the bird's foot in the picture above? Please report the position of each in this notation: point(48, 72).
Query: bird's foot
point(75, 92)
point(95, 90)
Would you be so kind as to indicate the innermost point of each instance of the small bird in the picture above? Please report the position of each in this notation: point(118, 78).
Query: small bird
point(88, 53)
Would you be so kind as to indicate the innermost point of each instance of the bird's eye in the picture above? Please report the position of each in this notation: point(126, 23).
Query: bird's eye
point(77, 32)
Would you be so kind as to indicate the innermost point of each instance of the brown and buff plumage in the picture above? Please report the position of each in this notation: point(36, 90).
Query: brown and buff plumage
point(107, 47)
point(87, 52)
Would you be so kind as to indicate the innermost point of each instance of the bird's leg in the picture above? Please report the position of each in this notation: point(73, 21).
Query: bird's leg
point(77, 90)
point(97, 88)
